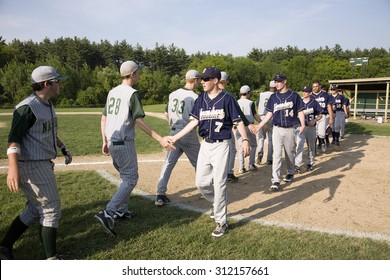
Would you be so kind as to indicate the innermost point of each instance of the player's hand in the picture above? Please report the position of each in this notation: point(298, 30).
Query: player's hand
point(301, 129)
point(13, 180)
point(105, 150)
point(252, 128)
point(330, 121)
point(245, 147)
point(67, 154)
point(167, 144)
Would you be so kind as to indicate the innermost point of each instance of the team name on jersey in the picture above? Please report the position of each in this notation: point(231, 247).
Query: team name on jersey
point(283, 106)
point(211, 114)
point(337, 100)
point(320, 99)
point(48, 125)
point(308, 111)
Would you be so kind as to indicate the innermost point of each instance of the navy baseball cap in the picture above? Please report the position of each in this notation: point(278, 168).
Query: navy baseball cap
point(211, 72)
point(333, 87)
point(280, 77)
point(307, 89)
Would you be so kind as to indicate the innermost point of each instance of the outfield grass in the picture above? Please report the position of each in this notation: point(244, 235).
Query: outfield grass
point(81, 133)
point(169, 233)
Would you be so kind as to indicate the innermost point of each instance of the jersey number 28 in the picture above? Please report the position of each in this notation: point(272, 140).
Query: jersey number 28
point(114, 105)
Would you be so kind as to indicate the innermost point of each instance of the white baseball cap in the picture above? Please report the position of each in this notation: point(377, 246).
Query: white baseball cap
point(129, 67)
point(272, 83)
point(45, 73)
point(224, 76)
point(245, 89)
point(192, 74)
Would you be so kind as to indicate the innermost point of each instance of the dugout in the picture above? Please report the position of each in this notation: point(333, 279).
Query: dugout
point(367, 96)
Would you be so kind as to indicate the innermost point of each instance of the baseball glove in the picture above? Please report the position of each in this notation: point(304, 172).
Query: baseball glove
point(312, 122)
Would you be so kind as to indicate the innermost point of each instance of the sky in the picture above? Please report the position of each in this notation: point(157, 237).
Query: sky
point(225, 26)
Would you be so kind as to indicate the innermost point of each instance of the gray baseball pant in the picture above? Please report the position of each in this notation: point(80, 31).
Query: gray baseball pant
point(308, 136)
point(125, 162)
point(283, 138)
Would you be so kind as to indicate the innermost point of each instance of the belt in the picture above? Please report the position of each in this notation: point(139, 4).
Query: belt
point(284, 126)
point(118, 143)
point(208, 140)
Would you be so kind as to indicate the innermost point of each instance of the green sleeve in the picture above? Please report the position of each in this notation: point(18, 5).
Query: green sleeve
point(136, 106)
point(22, 120)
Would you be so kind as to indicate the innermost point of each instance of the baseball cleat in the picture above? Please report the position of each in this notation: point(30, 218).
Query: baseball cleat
point(242, 171)
point(123, 215)
point(252, 167)
point(232, 178)
point(162, 200)
point(212, 216)
point(220, 230)
point(310, 167)
point(106, 221)
point(275, 186)
point(259, 158)
point(288, 178)
point(298, 170)
point(269, 162)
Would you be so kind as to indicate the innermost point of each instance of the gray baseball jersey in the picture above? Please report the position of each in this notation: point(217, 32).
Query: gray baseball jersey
point(34, 128)
point(179, 108)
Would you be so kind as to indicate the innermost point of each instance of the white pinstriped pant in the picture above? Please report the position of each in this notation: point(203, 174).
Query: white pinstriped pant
point(40, 187)
point(189, 144)
point(124, 158)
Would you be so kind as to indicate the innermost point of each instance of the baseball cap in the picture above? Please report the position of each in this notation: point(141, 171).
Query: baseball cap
point(272, 83)
point(192, 74)
point(129, 67)
point(45, 73)
point(280, 77)
point(245, 89)
point(333, 87)
point(211, 72)
point(225, 76)
point(307, 89)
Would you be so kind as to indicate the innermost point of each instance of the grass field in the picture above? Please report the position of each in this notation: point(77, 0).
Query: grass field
point(165, 233)
point(169, 233)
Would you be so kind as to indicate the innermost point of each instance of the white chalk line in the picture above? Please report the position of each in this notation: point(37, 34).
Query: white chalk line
point(358, 234)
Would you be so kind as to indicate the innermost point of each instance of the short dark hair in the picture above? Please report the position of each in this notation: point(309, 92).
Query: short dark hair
point(38, 86)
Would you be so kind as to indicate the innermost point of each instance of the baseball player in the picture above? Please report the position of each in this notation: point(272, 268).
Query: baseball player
point(249, 110)
point(178, 112)
point(345, 119)
point(32, 145)
point(215, 112)
point(285, 107)
point(232, 143)
point(339, 112)
point(265, 131)
point(123, 110)
point(325, 101)
point(313, 113)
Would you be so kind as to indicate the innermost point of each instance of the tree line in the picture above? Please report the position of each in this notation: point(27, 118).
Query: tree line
point(93, 68)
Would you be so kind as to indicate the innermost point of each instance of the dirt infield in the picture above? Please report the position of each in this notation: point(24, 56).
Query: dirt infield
point(347, 193)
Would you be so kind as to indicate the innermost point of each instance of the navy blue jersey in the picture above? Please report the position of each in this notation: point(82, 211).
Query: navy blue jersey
point(339, 101)
point(285, 108)
point(312, 109)
point(347, 103)
point(216, 116)
point(323, 98)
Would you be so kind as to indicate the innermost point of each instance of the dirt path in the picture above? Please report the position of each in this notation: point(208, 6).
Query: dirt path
point(348, 192)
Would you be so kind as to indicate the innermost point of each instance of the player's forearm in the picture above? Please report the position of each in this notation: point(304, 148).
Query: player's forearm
point(241, 129)
point(102, 128)
point(148, 130)
point(187, 129)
